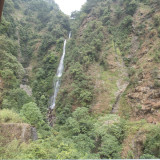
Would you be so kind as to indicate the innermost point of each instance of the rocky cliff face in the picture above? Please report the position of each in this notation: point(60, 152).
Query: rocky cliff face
point(11, 131)
point(141, 56)
point(144, 96)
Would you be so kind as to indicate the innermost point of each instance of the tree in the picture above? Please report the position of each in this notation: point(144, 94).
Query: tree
point(9, 78)
point(13, 99)
point(66, 151)
point(152, 144)
point(32, 114)
point(148, 156)
point(4, 26)
point(110, 148)
point(80, 122)
point(131, 7)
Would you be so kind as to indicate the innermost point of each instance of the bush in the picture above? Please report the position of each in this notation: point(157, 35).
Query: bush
point(110, 133)
point(110, 148)
point(9, 78)
point(156, 83)
point(8, 45)
point(48, 41)
point(32, 114)
point(156, 19)
point(9, 116)
point(4, 25)
point(131, 7)
point(148, 156)
point(152, 144)
point(80, 123)
point(50, 63)
point(13, 99)
point(118, 12)
point(159, 32)
point(157, 56)
point(127, 23)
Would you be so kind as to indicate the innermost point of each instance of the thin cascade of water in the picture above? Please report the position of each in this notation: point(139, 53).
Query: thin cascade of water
point(70, 34)
point(59, 75)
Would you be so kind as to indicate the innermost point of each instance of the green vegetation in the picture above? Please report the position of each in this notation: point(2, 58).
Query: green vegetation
point(131, 7)
point(152, 143)
point(26, 56)
point(79, 137)
point(32, 114)
point(104, 34)
point(9, 116)
point(13, 99)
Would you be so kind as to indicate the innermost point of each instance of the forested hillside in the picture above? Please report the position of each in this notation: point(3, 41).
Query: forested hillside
point(108, 105)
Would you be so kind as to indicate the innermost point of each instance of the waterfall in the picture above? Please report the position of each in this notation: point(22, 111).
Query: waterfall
point(59, 75)
point(70, 34)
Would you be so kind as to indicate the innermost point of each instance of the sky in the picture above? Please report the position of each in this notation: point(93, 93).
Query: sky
point(68, 6)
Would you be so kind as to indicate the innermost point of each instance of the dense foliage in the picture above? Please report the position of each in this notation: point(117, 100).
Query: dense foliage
point(31, 42)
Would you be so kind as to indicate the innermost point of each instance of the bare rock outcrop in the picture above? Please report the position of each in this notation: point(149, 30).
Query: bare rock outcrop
point(134, 143)
point(20, 131)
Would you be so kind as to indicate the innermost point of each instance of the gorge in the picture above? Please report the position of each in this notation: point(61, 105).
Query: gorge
point(59, 74)
point(92, 94)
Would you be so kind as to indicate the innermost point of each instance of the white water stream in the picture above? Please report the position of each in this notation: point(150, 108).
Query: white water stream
point(59, 75)
point(70, 34)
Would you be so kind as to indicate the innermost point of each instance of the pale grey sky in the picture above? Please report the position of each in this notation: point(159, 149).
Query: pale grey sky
point(67, 6)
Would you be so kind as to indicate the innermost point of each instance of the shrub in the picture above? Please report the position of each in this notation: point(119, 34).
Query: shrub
point(80, 123)
point(110, 148)
point(156, 83)
point(132, 71)
point(9, 116)
point(10, 62)
point(8, 45)
point(127, 23)
point(159, 31)
point(152, 144)
point(13, 99)
point(118, 12)
point(131, 7)
point(9, 78)
point(156, 19)
point(48, 41)
point(4, 25)
point(157, 56)
point(32, 114)
point(148, 156)
point(50, 63)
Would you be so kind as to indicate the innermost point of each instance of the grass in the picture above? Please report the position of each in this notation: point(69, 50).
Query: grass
point(8, 116)
point(110, 78)
point(125, 109)
point(118, 51)
point(134, 126)
point(135, 129)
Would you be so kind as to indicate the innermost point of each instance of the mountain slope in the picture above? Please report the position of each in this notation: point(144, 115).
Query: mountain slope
point(34, 34)
point(116, 48)
point(108, 103)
